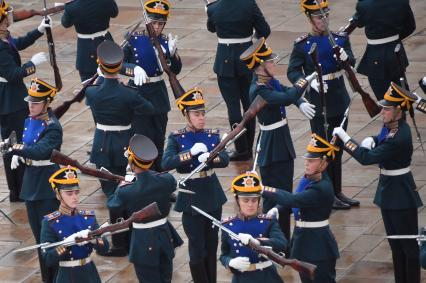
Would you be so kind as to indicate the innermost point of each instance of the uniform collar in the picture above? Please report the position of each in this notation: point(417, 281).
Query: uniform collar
point(244, 218)
point(392, 125)
point(64, 209)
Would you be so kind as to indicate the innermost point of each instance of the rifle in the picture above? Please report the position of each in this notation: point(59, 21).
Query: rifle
point(238, 129)
point(305, 268)
point(372, 108)
point(52, 53)
point(20, 15)
point(177, 88)
point(349, 28)
point(313, 53)
point(61, 109)
point(147, 213)
point(404, 84)
point(345, 117)
point(8, 143)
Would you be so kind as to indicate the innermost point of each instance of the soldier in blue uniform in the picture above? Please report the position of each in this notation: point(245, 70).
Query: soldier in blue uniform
point(312, 203)
point(67, 223)
point(186, 149)
point(142, 63)
point(396, 193)
point(13, 109)
point(152, 243)
point(276, 156)
point(246, 265)
point(91, 22)
point(113, 106)
point(386, 23)
point(336, 95)
point(233, 21)
point(42, 134)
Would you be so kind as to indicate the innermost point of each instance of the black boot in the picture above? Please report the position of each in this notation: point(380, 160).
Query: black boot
point(211, 268)
point(198, 272)
point(340, 205)
point(242, 151)
point(345, 199)
point(14, 178)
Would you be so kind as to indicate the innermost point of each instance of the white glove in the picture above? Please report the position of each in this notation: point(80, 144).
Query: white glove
point(172, 43)
point(419, 98)
point(99, 71)
point(307, 109)
point(39, 58)
point(71, 237)
point(203, 157)
point(246, 238)
point(311, 77)
point(240, 263)
point(368, 142)
point(341, 133)
point(343, 56)
point(15, 162)
point(424, 81)
point(140, 76)
point(43, 25)
point(198, 148)
point(205, 9)
point(315, 85)
point(224, 136)
point(274, 213)
point(84, 234)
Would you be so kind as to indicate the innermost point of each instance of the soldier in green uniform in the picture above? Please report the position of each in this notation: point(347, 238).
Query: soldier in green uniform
point(91, 22)
point(42, 134)
point(386, 23)
point(75, 262)
point(113, 106)
point(312, 203)
point(233, 21)
point(186, 149)
point(152, 243)
point(142, 63)
point(396, 193)
point(245, 264)
point(336, 96)
point(13, 109)
point(276, 156)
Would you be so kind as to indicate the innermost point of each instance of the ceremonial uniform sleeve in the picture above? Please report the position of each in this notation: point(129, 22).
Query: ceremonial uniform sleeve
point(409, 23)
point(379, 154)
point(220, 161)
point(23, 42)
point(67, 18)
point(175, 64)
point(128, 69)
point(10, 70)
point(141, 105)
point(118, 200)
point(348, 49)
point(276, 238)
point(289, 96)
point(52, 256)
point(114, 9)
point(358, 17)
point(210, 23)
point(102, 244)
point(261, 27)
point(307, 198)
point(295, 64)
point(172, 158)
point(225, 255)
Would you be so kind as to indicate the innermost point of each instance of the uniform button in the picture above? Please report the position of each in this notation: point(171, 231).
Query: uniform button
point(25, 129)
point(35, 140)
point(134, 49)
point(85, 217)
point(150, 248)
point(235, 244)
point(226, 61)
point(89, 227)
point(136, 55)
point(230, 224)
point(183, 136)
point(60, 231)
point(375, 62)
point(237, 251)
point(70, 252)
point(191, 166)
point(307, 42)
point(335, 38)
point(92, 56)
point(72, 258)
point(57, 220)
point(137, 61)
point(209, 135)
point(260, 235)
point(183, 146)
point(227, 44)
point(212, 144)
point(261, 221)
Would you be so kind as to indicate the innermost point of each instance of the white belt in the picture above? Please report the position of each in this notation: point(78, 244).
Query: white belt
point(3, 80)
point(93, 35)
point(332, 76)
point(315, 224)
point(234, 40)
point(74, 263)
point(155, 79)
point(150, 224)
point(273, 126)
point(395, 172)
point(202, 174)
point(38, 163)
point(260, 265)
point(109, 128)
point(382, 40)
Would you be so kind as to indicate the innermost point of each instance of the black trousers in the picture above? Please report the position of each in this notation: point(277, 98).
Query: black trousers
point(405, 253)
point(235, 92)
point(84, 75)
point(325, 272)
point(334, 168)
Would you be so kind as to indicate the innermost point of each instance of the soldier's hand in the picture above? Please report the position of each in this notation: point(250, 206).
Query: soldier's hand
point(240, 263)
point(246, 238)
point(45, 24)
point(419, 98)
point(274, 213)
point(172, 43)
point(307, 109)
point(368, 142)
point(343, 56)
point(341, 133)
point(15, 162)
point(311, 77)
point(39, 58)
point(140, 76)
point(83, 234)
point(198, 148)
point(203, 157)
point(316, 85)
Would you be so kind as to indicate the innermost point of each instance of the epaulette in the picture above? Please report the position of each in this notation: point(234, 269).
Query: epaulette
point(392, 133)
point(340, 33)
point(52, 216)
point(86, 212)
point(212, 131)
point(301, 38)
point(264, 216)
point(49, 121)
point(129, 86)
point(179, 132)
point(138, 33)
point(228, 219)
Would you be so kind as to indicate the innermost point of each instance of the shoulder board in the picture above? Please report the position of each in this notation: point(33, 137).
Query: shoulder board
point(138, 33)
point(264, 216)
point(340, 33)
point(392, 133)
point(228, 219)
point(86, 212)
point(52, 216)
point(128, 86)
point(179, 132)
point(212, 131)
point(301, 38)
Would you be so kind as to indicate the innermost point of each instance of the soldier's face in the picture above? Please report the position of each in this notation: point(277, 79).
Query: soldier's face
point(70, 198)
point(158, 27)
point(318, 24)
point(197, 119)
point(389, 114)
point(313, 166)
point(248, 205)
point(269, 67)
point(36, 108)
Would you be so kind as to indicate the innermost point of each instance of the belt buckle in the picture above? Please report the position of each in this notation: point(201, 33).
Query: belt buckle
point(302, 224)
point(29, 162)
point(82, 261)
point(203, 174)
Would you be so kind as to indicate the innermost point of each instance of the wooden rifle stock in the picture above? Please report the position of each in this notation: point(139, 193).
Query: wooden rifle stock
point(20, 15)
point(349, 28)
point(59, 158)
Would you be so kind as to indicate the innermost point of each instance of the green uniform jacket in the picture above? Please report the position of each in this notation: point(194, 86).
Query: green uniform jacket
point(148, 245)
point(234, 19)
point(13, 92)
point(315, 203)
point(394, 152)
